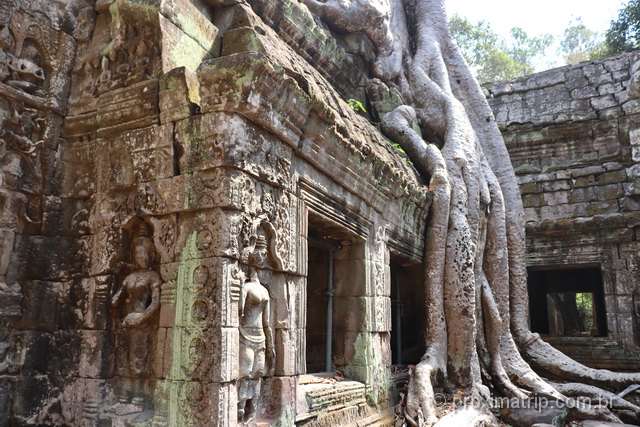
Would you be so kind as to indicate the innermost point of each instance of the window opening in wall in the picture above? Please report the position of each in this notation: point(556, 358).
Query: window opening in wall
point(571, 313)
point(336, 282)
point(568, 302)
point(407, 313)
point(320, 292)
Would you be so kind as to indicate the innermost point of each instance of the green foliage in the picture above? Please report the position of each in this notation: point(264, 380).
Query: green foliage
point(493, 58)
point(356, 105)
point(580, 43)
point(623, 34)
point(584, 302)
point(399, 149)
point(525, 50)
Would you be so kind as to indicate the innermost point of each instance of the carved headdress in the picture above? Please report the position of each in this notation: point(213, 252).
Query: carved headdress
point(144, 238)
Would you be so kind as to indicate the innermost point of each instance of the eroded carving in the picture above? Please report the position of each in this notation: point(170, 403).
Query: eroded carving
point(257, 352)
point(13, 215)
point(139, 300)
point(11, 352)
point(129, 60)
point(26, 49)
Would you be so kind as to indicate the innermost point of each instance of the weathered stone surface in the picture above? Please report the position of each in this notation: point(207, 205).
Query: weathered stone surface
point(577, 176)
point(199, 131)
point(167, 167)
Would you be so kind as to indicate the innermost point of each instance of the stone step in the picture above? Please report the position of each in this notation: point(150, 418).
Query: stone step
point(331, 397)
point(374, 420)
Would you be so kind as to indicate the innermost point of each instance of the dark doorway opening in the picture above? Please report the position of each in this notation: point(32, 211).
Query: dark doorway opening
point(319, 285)
point(336, 282)
point(567, 302)
point(407, 313)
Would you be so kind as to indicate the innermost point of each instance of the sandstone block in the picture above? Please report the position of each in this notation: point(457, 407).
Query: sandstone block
point(610, 192)
point(531, 215)
point(353, 313)
point(620, 75)
point(603, 102)
point(207, 293)
point(530, 188)
point(93, 303)
point(610, 113)
point(180, 49)
point(163, 357)
point(43, 305)
point(531, 200)
point(278, 398)
point(179, 95)
point(28, 392)
point(555, 198)
point(224, 404)
point(127, 108)
point(576, 82)
point(631, 107)
point(207, 355)
point(287, 348)
point(209, 233)
point(614, 177)
point(351, 277)
point(610, 88)
point(584, 92)
point(96, 354)
point(583, 194)
point(381, 314)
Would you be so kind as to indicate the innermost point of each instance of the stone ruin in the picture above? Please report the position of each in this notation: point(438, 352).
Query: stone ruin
point(196, 223)
point(573, 134)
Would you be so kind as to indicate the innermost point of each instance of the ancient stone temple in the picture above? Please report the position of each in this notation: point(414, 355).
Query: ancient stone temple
point(185, 188)
point(572, 134)
point(203, 225)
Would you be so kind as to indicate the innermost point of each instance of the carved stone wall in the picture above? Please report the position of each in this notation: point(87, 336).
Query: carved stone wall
point(572, 134)
point(160, 162)
point(37, 254)
point(166, 166)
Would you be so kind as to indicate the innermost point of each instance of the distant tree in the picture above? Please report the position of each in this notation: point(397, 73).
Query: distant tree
point(525, 50)
point(580, 43)
point(493, 58)
point(623, 34)
point(475, 40)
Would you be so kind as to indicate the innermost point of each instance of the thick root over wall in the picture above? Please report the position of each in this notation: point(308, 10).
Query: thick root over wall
point(477, 339)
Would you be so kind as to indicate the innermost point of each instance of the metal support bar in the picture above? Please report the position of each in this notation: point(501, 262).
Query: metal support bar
point(329, 332)
point(398, 317)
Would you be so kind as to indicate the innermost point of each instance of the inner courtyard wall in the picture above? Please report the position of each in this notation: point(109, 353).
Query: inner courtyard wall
point(572, 134)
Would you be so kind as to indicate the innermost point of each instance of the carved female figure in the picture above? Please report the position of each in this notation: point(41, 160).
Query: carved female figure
point(13, 214)
point(140, 296)
point(257, 353)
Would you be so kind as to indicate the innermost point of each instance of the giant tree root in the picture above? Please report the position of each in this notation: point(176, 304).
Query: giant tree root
point(467, 416)
point(477, 338)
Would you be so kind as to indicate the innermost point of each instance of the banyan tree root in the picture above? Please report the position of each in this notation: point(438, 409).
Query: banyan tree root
point(477, 340)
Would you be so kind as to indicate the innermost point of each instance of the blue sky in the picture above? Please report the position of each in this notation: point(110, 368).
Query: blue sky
point(539, 16)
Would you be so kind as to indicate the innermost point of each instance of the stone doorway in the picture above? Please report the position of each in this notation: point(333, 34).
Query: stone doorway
point(336, 282)
point(567, 302)
point(407, 313)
